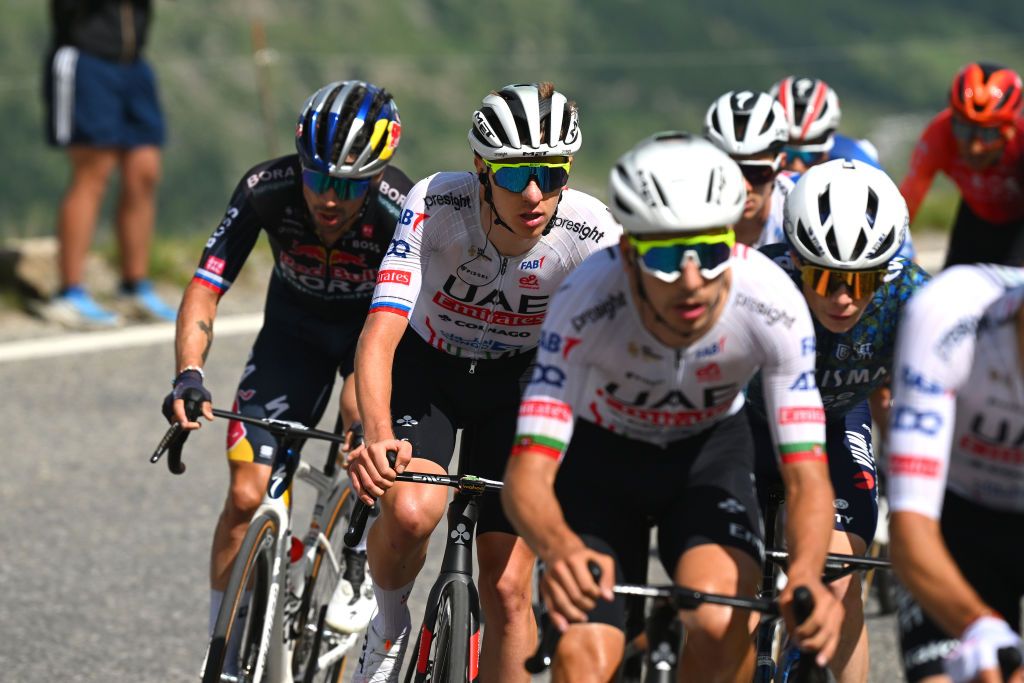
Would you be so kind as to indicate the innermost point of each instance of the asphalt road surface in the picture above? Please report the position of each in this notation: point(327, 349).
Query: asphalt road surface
point(104, 570)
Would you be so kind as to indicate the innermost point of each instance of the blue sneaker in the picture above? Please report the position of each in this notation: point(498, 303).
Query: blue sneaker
point(75, 309)
point(145, 304)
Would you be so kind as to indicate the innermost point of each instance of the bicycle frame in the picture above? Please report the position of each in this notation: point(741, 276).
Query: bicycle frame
point(280, 650)
point(456, 566)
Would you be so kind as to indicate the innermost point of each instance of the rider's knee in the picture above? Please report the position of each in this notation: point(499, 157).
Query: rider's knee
point(243, 499)
point(507, 595)
point(411, 517)
point(717, 632)
point(588, 652)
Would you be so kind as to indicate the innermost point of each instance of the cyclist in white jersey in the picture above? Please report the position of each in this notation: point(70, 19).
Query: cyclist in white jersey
point(956, 454)
point(751, 128)
point(451, 339)
point(636, 415)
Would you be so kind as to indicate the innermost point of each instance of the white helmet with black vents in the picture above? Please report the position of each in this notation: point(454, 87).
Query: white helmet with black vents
point(675, 182)
point(846, 215)
point(744, 122)
point(525, 120)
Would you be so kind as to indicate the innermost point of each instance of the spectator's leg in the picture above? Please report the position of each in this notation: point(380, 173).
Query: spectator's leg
point(136, 210)
point(90, 171)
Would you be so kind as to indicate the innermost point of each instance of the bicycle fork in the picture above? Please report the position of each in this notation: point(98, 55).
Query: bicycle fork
point(456, 566)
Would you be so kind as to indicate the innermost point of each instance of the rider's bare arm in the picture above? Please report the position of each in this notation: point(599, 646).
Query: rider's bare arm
point(193, 339)
point(369, 469)
point(924, 565)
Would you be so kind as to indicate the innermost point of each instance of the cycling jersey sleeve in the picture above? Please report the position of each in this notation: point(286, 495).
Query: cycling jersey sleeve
point(546, 413)
point(230, 244)
point(933, 358)
point(406, 260)
point(791, 397)
point(924, 162)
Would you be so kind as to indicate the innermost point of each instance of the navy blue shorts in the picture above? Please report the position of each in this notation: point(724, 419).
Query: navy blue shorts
point(851, 465)
point(96, 102)
point(290, 373)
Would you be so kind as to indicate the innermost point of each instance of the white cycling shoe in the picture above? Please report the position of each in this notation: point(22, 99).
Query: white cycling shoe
point(380, 660)
point(353, 603)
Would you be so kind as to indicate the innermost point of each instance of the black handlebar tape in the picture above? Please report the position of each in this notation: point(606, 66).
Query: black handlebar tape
point(808, 670)
point(361, 512)
point(1009, 661)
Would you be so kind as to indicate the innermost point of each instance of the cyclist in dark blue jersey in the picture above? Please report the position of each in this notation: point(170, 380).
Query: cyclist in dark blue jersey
point(329, 212)
point(844, 224)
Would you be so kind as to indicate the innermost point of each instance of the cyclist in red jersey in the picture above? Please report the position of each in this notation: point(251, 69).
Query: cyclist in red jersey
point(978, 141)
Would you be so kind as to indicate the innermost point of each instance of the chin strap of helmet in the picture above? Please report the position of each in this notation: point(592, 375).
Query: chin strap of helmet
point(486, 182)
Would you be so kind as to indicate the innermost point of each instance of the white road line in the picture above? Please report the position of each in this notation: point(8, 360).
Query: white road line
point(139, 335)
point(158, 333)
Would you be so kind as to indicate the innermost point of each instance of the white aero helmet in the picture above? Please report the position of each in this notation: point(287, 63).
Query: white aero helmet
point(525, 120)
point(675, 182)
point(812, 111)
point(744, 122)
point(845, 215)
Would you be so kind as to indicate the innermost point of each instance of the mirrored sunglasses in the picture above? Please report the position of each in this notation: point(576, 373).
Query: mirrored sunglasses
point(664, 259)
point(825, 281)
point(345, 188)
point(515, 177)
point(760, 172)
point(808, 157)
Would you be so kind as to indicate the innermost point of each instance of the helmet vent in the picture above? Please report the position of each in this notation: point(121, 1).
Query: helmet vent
point(740, 122)
point(716, 123)
point(495, 124)
point(321, 136)
point(832, 245)
point(768, 121)
point(518, 115)
point(824, 206)
point(871, 213)
point(805, 240)
point(661, 193)
point(858, 249)
point(622, 207)
point(1007, 96)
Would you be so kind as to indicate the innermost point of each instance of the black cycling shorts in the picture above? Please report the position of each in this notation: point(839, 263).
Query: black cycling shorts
point(434, 394)
point(974, 240)
point(697, 491)
point(984, 544)
point(851, 467)
point(290, 373)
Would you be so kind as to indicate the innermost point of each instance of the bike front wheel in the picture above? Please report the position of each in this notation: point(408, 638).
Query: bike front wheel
point(241, 637)
point(315, 640)
point(443, 651)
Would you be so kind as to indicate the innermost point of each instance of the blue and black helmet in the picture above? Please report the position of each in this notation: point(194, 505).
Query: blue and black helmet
point(348, 129)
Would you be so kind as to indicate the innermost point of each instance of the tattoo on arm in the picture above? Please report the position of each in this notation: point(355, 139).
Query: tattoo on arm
point(207, 328)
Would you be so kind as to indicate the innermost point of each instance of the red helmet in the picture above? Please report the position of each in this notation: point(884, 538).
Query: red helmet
point(986, 94)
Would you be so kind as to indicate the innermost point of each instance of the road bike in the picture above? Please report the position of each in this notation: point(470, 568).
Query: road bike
point(448, 644)
point(271, 622)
